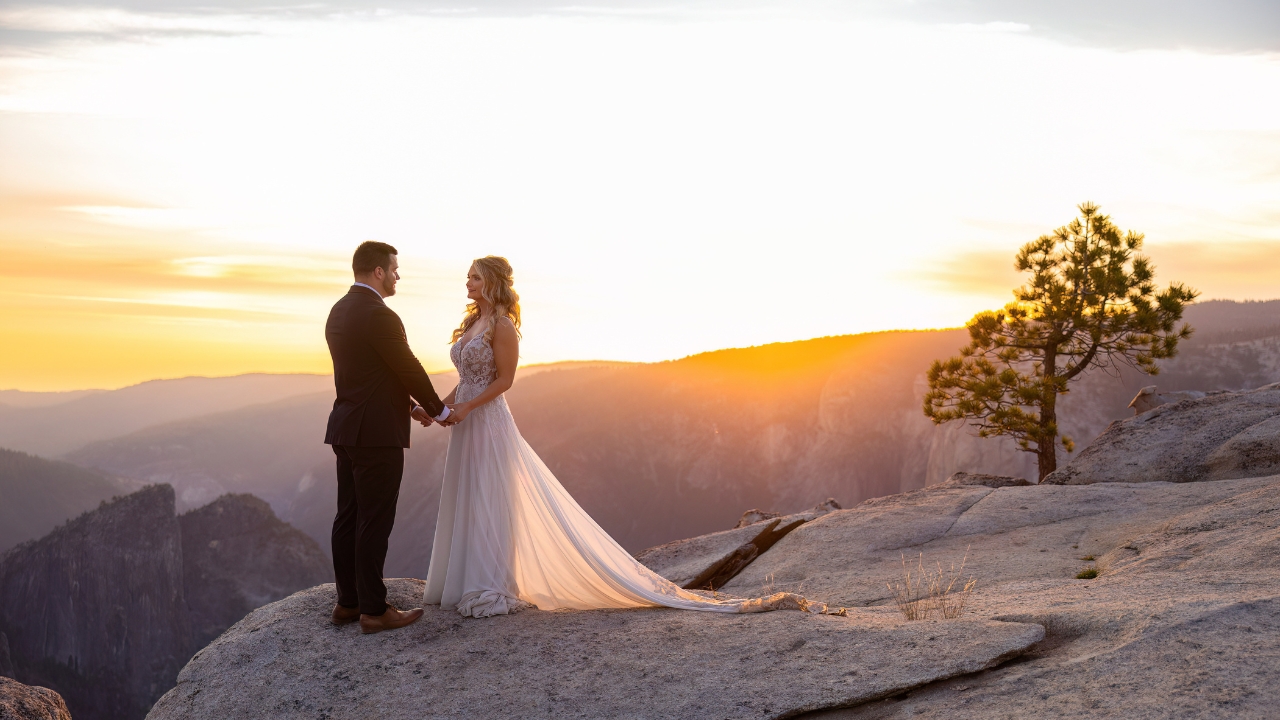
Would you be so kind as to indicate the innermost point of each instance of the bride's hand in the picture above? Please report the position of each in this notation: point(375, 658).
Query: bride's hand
point(458, 412)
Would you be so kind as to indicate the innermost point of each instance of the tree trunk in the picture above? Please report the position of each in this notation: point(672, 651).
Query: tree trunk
point(1047, 443)
point(1047, 455)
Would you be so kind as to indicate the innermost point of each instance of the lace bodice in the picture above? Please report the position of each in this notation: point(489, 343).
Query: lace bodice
point(475, 364)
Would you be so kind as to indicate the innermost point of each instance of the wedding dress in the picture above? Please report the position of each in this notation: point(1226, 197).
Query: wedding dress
point(509, 536)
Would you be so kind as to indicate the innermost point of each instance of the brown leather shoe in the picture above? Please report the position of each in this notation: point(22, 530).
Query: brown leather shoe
point(344, 616)
point(389, 620)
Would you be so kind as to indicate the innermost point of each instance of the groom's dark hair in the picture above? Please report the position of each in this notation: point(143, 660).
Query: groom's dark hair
point(372, 254)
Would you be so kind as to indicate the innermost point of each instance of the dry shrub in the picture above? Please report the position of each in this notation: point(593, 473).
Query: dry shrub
point(925, 593)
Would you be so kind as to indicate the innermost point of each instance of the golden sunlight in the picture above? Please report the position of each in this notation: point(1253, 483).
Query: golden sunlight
point(188, 204)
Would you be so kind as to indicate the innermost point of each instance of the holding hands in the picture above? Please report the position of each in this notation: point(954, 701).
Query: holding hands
point(457, 413)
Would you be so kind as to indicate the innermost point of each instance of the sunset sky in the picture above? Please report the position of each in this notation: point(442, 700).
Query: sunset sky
point(181, 189)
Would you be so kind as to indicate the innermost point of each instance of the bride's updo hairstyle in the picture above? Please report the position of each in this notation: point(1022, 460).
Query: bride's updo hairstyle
point(498, 291)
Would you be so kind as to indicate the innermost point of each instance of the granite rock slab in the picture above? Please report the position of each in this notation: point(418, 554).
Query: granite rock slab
point(286, 661)
point(1221, 436)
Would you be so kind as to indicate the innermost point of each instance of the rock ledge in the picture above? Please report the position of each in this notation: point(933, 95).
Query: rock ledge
point(286, 661)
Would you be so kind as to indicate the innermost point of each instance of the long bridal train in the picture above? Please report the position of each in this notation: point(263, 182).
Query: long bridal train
point(509, 536)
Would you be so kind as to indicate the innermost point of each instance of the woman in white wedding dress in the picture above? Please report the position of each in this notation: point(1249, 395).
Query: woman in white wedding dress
point(508, 535)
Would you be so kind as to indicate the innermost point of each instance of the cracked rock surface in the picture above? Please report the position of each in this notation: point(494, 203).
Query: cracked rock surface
point(286, 661)
point(684, 560)
point(1183, 619)
point(715, 558)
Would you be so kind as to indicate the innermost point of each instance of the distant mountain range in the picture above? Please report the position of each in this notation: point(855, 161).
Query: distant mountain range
point(31, 423)
point(654, 452)
point(37, 494)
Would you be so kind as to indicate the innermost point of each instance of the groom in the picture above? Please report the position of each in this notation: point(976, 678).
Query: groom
point(375, 374)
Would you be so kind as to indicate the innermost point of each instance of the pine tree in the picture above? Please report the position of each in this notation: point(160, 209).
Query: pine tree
point(1090, 302)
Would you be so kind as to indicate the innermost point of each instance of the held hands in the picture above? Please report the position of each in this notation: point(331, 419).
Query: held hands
point(457, 413)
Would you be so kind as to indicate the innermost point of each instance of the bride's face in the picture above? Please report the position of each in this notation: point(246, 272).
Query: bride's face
point(475, 284)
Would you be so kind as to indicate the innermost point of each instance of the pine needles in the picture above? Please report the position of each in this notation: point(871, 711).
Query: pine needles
point(925, 593)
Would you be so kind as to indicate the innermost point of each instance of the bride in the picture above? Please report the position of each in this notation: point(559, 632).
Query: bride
point(508, 535)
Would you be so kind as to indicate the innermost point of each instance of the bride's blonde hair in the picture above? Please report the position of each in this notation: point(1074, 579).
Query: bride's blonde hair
point(497, 276)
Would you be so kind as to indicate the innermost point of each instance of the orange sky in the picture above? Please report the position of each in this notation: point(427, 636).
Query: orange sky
point(185, 202)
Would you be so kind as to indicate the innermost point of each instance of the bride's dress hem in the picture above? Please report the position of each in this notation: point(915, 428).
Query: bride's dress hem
point(487, 603)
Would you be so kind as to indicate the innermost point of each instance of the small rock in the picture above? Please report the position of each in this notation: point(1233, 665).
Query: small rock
point(751, 517)
point(826, 506)
point(1149, 399)
point(26, 702)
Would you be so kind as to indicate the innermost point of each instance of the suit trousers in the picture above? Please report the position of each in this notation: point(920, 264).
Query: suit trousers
point(368, 488)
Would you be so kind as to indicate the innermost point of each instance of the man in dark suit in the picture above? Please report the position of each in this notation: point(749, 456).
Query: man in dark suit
point(375, 374)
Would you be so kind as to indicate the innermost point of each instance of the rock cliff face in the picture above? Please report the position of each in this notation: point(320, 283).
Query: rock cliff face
point(6, 661)
point(107, 608)
point(238, 556)
point(96, 608)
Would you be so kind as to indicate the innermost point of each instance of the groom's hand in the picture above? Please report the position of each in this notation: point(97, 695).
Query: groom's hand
point(421, 416)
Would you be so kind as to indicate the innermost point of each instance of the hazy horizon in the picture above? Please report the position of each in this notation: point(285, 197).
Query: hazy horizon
point(526, 369)
point(447, 370)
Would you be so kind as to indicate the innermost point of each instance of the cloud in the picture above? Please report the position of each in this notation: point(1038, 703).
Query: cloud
point(1236, 270)
point(983, 273)
point(91, 302)
point(1239, 270)
point(1237, 26)
point(88, 250)
point(1206, 25)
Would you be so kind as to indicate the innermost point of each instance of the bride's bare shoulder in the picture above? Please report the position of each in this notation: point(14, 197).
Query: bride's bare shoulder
point(504, 329)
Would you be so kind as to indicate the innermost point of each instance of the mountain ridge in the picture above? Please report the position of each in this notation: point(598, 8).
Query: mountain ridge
point(660, 451)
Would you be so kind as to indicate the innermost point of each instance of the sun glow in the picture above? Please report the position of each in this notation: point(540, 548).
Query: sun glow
point(181, 194)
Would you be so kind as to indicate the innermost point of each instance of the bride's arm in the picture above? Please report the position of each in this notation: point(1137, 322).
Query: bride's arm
point(506, 355)
point(448, 399)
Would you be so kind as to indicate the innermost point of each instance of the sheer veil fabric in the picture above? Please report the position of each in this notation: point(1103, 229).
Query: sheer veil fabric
point(509, 536)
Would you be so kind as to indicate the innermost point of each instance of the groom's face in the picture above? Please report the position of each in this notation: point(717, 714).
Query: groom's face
point(389, 277)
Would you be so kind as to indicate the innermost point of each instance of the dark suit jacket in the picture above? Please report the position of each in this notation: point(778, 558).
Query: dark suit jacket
point(374, 372)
